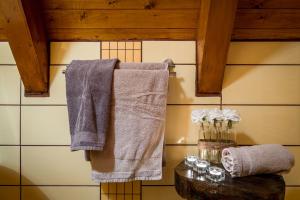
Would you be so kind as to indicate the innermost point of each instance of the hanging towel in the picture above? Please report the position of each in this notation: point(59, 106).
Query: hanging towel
point(258, 159)
point(134, 146)
point(88, 85)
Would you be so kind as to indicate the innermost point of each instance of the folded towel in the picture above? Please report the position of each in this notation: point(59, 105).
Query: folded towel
point(258, 159)
point(88, 85)
point(134, 146)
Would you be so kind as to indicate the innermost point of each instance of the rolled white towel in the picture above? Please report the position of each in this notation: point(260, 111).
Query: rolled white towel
point(257, 159)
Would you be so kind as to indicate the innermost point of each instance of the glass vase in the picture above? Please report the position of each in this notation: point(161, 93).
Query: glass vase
point(213, 138)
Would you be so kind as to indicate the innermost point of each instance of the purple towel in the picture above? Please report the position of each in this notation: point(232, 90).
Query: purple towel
point(88, 84)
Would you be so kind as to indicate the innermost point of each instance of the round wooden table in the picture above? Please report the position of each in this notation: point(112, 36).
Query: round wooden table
point(266, 186)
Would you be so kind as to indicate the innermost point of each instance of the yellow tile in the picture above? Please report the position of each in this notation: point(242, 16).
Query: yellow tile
point(182, 87)
point(129, 45)
point(128, 188)
point(10, 192)
point(9, 85)
point(160, 193)
point(57, 89)
point(121, 55)
point(268, 124)
point(137, 45)
point(129, 56)
point(137, 55)
point(264, 53)
point(136, 197)
point(45, 125)
point(293, 177)
point(136, 187)
point(6, 56)
point(128, 197)
point(113, 45)
point(54, 166)
point(121, 45)
point(120, 197)
point(109, 197)
point(179, 127)
point(181, 52)
point(112, 188)
point(9, 125)
point(104, 197)
point(120, 188)
point(261, 84)
point(65, 52)
point(9, 165)
point(292, 193)
point(104, 45)
point(104, 188)
point(113, 54)
point(260, 124)
point(105, 54)
point(60, 193)
point(174, 155)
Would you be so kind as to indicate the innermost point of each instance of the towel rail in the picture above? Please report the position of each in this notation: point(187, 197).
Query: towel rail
point(171, 67)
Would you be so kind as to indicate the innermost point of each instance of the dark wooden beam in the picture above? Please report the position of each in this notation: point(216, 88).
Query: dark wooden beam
point(24, 29)
point(216, 21)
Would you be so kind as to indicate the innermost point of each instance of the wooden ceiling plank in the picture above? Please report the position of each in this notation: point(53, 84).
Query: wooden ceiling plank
point(216, 21)
point(267, 18)
point(124, 4)
point(266, 34)
point(258, 4)
point(121, 18)
point(24, 30)
point(120, 34)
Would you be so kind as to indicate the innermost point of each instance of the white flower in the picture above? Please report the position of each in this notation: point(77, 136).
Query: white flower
point(231, 115)
point(199, 115)
point(215, 114)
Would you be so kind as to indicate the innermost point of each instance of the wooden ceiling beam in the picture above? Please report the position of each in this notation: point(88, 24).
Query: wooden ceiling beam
point(23, 27)
point(2, 35)
point(216, 21)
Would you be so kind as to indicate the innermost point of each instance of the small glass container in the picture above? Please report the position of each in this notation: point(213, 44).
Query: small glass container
point(201, 166)
point(216, 174)
point(189, 161)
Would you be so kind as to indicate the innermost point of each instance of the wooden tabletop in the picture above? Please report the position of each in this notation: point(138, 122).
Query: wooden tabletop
point(265, 186)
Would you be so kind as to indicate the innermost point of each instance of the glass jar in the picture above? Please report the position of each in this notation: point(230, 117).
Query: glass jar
point(213, 138)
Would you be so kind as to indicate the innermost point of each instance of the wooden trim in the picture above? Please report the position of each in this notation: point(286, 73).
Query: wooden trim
point(23, 25)
point(216, 20)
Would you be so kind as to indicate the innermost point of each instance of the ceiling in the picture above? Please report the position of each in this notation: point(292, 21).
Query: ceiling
point(72, 20)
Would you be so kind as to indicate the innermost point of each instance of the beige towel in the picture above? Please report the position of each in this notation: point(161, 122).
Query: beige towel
point(135, 142)
point(258, 159)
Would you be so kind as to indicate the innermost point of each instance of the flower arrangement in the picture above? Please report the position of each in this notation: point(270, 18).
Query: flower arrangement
point(215, 123)
point(216, 127)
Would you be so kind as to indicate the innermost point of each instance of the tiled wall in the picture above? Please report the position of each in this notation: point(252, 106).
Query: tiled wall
point(262, 81)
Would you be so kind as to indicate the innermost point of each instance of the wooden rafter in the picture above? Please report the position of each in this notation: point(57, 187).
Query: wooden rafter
point(23, 27)
point(213, 37)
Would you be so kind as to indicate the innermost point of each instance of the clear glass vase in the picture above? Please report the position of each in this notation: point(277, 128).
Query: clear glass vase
point(213, 138)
